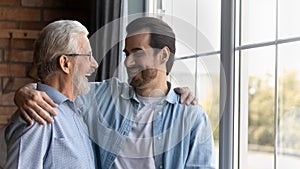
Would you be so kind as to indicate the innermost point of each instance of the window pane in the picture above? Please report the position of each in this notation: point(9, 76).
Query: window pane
point(208, 92)
point(181, 16)
point(197, 27)
point(258, 21)
point(183, 73)
point(288, 18)
point(194, 21)
point(289, 106)
point(209, 24)
point(208, 86)
point(259, 64)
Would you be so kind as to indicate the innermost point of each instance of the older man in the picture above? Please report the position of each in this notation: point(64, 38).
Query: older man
point(63, 55)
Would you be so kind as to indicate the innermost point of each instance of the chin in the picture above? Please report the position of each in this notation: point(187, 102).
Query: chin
point(84, 88)
point(81, 85)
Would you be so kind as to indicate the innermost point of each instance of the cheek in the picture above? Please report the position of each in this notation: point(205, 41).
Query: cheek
point(149, 73)
point(84, 67)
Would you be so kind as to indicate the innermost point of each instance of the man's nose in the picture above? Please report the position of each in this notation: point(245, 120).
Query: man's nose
point(129, 61)
point(94, 63)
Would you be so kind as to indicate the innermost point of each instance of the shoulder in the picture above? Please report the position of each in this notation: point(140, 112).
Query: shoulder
point(18, 127)
point(193, 113)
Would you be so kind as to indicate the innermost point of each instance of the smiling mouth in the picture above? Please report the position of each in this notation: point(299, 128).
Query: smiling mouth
point(90, 72)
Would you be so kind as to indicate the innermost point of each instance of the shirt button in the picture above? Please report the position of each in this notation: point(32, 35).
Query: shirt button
point(158, 138)
point(159, 113)
point(160, 166)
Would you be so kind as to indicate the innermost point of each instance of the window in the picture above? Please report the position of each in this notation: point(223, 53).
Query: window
point(268, 52)
point(197, 28)
point(266, 73)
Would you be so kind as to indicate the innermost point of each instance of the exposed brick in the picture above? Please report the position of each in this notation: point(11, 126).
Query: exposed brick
point(1, 55)
point(13, 70)
point(43, 3)
point(19, 56)
point(8, 25)
point(7, 99)
point(4, 119)
point(55, 3)
point(4, 43)
point(7, 110)
point(19, 14)
point(32, 25)
point(32, 3)
point(16, 83)
point(55, 14)
point(23, 44)
point(8, 2)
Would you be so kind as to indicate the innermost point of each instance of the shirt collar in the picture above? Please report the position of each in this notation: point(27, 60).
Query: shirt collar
point(171, 97)
point(54, 94)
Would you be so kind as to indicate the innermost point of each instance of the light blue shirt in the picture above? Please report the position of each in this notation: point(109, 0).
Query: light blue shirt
point(182, 136)
point(64, 144)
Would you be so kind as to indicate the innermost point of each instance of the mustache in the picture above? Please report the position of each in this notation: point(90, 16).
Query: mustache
point(91, 70)
point(135, 69)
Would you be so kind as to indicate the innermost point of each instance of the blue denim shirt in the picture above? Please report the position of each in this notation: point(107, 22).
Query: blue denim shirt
point(182, 135)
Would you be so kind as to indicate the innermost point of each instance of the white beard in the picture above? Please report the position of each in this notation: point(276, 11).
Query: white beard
point(80, 83)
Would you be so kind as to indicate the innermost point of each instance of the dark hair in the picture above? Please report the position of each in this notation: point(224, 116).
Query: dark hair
point(161, 35)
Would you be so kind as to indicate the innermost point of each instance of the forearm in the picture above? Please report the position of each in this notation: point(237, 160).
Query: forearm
point(34, 104)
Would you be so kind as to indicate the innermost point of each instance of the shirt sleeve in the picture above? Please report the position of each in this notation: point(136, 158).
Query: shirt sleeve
point(201, 153)
point(26, 145)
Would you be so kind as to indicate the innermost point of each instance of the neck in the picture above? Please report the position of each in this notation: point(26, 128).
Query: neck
point(63, 84)
point(158, 87)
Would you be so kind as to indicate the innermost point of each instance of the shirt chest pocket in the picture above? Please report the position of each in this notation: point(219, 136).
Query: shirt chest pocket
point(66, 153)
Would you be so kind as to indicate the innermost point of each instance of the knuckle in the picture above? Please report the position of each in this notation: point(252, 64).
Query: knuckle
point(35, 97)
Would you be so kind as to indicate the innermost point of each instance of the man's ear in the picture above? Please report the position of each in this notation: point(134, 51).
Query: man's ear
point(65, 64)
point(165, 54)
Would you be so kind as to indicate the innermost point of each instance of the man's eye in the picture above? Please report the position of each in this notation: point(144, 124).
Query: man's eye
point(138, 53)
point(126, 54)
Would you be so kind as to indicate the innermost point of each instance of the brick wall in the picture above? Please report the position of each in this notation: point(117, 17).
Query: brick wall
point(18, 19)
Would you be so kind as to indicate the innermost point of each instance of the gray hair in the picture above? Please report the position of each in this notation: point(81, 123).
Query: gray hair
point(55, 39)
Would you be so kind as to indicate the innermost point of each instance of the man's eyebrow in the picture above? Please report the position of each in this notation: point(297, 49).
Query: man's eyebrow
point(133, 50)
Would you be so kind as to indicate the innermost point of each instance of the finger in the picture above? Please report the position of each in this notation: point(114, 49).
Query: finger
point(25, 116)
point(183, 93)
point(46, 116)
point(48, 105)
point(42, 113)
point(189, 99)
point(195, 101)
point(35, 116)
point(49, 100)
